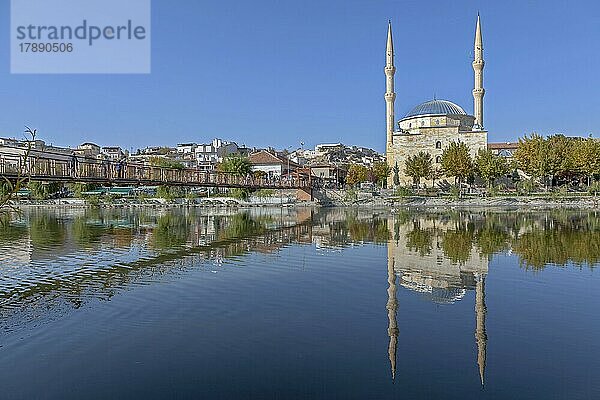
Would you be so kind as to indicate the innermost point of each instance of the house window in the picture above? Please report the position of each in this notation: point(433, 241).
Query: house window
point(438, 159)
point(438, 145)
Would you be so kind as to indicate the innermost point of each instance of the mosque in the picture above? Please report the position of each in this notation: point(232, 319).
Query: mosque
point(433, 125)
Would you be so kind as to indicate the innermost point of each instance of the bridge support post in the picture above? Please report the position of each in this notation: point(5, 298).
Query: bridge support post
point(305, 194)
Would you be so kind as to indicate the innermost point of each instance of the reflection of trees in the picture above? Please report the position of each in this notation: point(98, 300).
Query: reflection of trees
point(375, 230)
point(241, 225)
point(457, 245)
point(419, 240)
point(171, 231)
point(10, 233)
point(85, 233)
point(491, 238)
point(539, 239)
point(352, 226)
point(46, 230)
point(103, 282)
point(541, 247)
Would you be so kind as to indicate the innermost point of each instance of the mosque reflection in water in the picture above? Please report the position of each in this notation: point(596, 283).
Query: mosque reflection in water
point(417, 262)
point(78, 254)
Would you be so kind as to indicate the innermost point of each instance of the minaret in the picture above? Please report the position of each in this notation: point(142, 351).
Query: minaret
point(392, 307)
point(390, 95)
point(480, 334)
point(478, 64)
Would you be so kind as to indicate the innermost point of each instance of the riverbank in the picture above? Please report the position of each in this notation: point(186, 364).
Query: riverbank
point(532, 202)
point(409, 202)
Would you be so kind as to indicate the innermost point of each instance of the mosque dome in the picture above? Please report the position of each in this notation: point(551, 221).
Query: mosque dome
point(436, 107)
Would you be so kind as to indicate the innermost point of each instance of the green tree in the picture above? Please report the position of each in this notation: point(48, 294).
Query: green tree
point(532, 155)
point(559, 156)
point(381, 171)
point(165, 163)
point(236, 165)
point(435, 174)
point(43, 191)
point(586, 158)
point(79, 188)
point(357, 174)
point(418, 166)
point(457, 162)
point(169, 192)
point(490, 166)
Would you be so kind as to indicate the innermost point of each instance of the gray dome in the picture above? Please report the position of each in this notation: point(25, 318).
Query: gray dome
point(436, 107)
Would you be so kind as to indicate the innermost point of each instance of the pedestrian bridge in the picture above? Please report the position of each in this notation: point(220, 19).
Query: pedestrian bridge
point(65, 168)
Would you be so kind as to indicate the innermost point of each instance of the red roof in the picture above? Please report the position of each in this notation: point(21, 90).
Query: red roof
point(503, 146)
point(264, 157)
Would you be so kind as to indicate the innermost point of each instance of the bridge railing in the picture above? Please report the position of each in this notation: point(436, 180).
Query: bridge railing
point(44, 166)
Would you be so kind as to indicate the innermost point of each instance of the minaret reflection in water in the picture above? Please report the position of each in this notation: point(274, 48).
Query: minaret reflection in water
point(418, 260)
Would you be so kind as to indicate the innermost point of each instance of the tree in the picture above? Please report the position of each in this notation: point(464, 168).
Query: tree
point(418, 166)
point(586, 158)
point(532, 155)
point(381, 171)
point(396, 174)
point(9, 190)
point(490, 166)
point(559, 152)
point(79, 189)
point(165, 163)
point(457, 162)
point(357, 174)
point(42, 190)
point(169, 192)
point(236, 165)
point(435, 174)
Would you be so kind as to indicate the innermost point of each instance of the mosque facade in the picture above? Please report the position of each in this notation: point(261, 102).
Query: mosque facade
point(431, 126)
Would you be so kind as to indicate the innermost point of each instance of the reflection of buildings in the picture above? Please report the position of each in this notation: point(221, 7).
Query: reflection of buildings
point(428, 270)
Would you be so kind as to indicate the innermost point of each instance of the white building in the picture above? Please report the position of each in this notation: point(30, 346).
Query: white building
point(113, 153)
point(210, 154)
point(186, 148)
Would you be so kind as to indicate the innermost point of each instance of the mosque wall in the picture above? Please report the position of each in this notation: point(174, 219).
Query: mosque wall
point(432, 140)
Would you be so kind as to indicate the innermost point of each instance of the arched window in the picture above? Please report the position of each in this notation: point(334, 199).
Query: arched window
point(438, 159)
point(438, 145)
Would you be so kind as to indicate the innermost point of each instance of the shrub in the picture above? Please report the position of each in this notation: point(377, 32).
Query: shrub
point(455, 192)
point(240, 194)
point(351, 195)
point(168, 192)
point(525, 187)
point(263, 193)
point(403, 191)
point(594, 188)
point(93, 201)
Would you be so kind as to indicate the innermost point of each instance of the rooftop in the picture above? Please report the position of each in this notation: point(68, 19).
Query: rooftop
point(436, 107)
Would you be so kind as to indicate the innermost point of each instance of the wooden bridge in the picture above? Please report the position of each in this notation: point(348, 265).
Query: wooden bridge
point(58, 167)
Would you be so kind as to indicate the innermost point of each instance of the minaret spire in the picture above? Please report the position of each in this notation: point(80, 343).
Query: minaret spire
point(478, 64)
point(480, 333)
point(390, 95)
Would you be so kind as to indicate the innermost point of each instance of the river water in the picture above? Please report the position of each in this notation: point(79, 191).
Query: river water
point(300, 304)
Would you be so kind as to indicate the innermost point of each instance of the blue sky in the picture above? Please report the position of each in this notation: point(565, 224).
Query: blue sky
point(281, 72)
